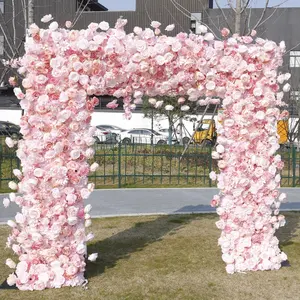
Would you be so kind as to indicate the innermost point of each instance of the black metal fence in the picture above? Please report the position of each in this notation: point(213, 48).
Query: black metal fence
point(140, 165)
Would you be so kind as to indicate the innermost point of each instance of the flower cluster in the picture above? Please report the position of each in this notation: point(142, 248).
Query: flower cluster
point(65, 68)
point(249, 199)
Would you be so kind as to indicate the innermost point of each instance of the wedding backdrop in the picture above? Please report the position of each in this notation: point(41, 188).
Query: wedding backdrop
point(65, 69)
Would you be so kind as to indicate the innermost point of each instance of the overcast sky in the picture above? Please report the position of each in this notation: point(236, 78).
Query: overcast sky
point(130, 4)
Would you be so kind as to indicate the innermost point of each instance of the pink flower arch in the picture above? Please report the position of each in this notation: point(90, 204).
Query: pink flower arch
point(65, 68)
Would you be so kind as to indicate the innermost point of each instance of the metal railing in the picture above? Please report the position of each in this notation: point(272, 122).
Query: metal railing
point(141, 165)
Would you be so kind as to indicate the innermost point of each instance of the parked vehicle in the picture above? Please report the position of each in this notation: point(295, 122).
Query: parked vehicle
point(10, 129)
point(115, 130)
point(206, 133)
point(283, 131)
point(175, 136)
point(143, 136)
point(112, 128)
point(104, 136)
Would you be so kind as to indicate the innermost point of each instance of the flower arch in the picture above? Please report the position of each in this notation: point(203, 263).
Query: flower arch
point(63, 70)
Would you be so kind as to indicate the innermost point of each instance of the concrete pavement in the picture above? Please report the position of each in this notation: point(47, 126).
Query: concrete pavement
point(124, 202)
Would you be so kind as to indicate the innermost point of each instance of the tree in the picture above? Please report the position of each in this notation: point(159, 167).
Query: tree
point(13, 44)
point(174, 109)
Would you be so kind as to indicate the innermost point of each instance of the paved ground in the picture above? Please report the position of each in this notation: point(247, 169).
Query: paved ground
point(118, 202)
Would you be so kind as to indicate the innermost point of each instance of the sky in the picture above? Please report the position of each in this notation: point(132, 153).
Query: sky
point(130, 4)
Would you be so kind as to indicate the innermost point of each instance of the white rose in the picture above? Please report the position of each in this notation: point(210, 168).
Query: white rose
point(72, 221)
point(9, 142)
point(83, 44)
point(202, 29)
point(93, 257)
point(281, 78)
point(53, 26)
point(46, 18)
point(209, 37)
point(155, 24)
point(81, 249)
point(159, 104)
point(75, 154)
point(89, 237)
point(88, 208)
point(185, 108)
point(6, 202)
point(137, 30)
point(260, 115)
point(74, 76)
point(215, 155)
point(11, 223)
point(220, 149)
point(170, 27)
point(88, 223)
point(11, 280)
point(104, 25)
point(12, 185)
point(160, 60)
point(10, 263)
point(17, 173)
point(12, 197)
point(94, 167)
point(152, 101)
point(257, 92)
point(38, 172)
point(210, 85)
point(287, 76)
point(169, 107)
point(20, 218)
point(141, 46)
point(269, 46)
point(286, 88)
point(212, 175)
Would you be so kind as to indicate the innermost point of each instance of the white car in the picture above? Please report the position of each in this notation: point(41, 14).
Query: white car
point(142, 136)
point(115, 130)
point(175, 137)
point(104, 136)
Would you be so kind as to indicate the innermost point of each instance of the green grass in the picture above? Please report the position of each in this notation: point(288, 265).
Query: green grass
point(170, 257)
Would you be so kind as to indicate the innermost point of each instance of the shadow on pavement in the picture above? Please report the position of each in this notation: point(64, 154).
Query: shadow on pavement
point(196, 209)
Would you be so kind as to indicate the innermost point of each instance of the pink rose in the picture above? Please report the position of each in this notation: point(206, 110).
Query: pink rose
point(68, 24)
point(225, 32)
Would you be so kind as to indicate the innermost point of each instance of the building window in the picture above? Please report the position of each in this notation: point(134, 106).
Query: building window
point(196, 22)
point(294, 103)
point(2, 6)
point(90, 5)
point(1, 44)
point(294, 59)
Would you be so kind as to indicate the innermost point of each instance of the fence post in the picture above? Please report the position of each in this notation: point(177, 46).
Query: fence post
point(210, 164)
point(294, 165)
point(1, 158)
point(119, 166)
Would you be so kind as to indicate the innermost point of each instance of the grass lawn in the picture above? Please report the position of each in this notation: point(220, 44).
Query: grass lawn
point(170, 257)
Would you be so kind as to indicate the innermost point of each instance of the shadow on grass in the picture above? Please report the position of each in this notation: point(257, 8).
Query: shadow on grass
point(288, 232)
point(123, 244)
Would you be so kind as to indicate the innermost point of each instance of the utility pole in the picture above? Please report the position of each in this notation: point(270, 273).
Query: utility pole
point(30, 12)
point(238, 11)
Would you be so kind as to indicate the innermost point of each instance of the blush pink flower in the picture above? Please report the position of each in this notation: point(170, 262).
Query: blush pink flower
point(113, 104)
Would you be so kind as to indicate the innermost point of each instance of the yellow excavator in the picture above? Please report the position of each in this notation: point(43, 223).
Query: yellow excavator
point(283, 131)
point(206, 133)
